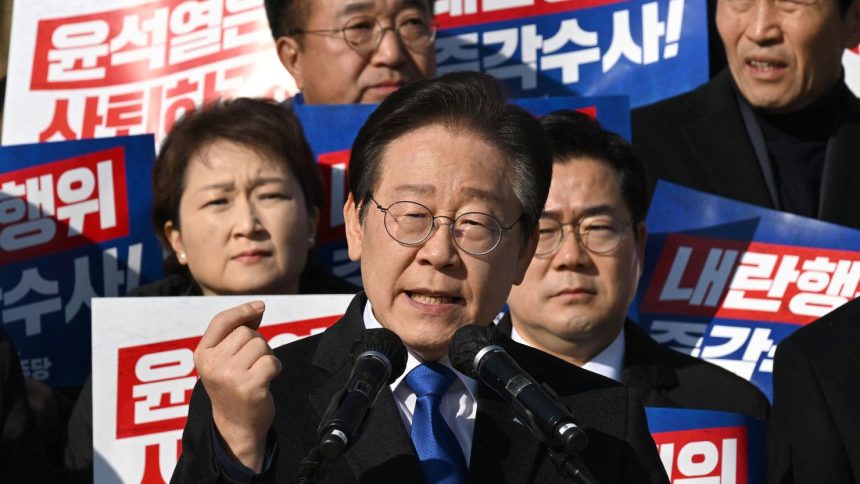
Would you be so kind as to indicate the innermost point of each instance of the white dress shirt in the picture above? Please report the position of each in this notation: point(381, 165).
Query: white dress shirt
point(608, 362)
point(458, 407)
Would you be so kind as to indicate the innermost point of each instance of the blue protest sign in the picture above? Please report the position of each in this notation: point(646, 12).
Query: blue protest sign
point(726, 281)
point(649, 50)
point(74, 224)
point(708, 446)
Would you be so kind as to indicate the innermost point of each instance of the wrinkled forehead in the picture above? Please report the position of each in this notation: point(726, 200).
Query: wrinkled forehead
point(423, 161)
point(330, 10)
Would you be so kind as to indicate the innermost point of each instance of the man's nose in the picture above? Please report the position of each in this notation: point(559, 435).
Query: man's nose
point(571, 252)
point(439, 249)
point(390, 50)
point(763, 25)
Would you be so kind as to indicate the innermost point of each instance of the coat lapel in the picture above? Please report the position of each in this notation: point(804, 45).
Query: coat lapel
point(503, 449)
point(840, 196)
point(649, 377)
point(723, 148)
point(384, 452)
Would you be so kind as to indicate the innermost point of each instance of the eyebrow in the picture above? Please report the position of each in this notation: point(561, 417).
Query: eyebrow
point(352, 8)
point(416, 189)
point(357, 7)
point(428, 189)
point(257, 182)
point(602, 209)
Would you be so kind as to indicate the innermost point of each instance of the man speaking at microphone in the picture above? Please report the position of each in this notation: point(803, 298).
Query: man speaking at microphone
point(447, 182)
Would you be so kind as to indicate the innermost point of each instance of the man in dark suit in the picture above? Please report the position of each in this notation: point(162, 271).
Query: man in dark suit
point(779, 128)
point(446, 185)
point(574, 299)
point(812, 435)
point(340, 51)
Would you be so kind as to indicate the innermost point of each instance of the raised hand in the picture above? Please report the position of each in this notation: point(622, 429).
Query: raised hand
point(236, 366)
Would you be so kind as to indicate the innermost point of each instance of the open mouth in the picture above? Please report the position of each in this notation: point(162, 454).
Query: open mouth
point(764, 65)
point(432, 299)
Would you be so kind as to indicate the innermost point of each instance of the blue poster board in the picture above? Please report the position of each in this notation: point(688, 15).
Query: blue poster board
point(727, 281)
point(648, 50)
point(708, 445)
point(74, 224)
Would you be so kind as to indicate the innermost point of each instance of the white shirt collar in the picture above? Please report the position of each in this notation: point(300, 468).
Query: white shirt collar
point(459, 406)
point(412, 360)
point(608, 362)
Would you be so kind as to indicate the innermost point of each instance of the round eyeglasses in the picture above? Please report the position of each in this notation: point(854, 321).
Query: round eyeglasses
point(599, 234)
point(364, 33)
point(411, 223)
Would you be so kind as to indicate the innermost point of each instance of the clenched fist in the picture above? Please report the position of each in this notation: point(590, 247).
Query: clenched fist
point(236, 366)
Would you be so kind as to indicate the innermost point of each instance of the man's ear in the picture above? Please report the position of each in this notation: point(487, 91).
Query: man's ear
point(290, 54)
point(525, 255)
point(174, 238)
point(352, 222)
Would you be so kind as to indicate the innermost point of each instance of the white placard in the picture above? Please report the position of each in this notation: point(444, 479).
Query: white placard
point(91, 69)
point(143, 371)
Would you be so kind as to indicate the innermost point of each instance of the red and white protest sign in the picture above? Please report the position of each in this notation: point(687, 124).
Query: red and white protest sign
point(704, 456)
point(751, 280)
point(143, 372)
point(61, 205)
point(88, 68)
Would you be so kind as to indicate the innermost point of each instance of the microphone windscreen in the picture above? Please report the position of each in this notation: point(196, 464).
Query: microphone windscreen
point(386, 342)
point(467, 342)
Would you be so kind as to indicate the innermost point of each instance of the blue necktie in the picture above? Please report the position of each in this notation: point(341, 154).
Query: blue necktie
point(441, 457)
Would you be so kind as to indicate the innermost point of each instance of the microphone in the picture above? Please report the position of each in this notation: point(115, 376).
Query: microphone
point(475, 351)
point(380, 358)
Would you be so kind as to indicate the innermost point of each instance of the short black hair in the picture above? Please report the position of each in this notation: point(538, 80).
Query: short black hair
point(461, 101)
point(287, 16)
point(573, 134)
point(257, 124)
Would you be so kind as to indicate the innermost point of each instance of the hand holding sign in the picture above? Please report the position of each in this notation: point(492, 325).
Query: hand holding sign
point(236, 366)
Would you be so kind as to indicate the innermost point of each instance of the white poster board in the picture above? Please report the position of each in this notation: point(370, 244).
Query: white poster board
point(143, 371)
point(91, 69)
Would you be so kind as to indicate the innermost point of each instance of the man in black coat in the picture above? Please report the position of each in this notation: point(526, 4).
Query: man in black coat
point(812, 435)
point(576, 293)
point(446, 185)
point(779, 127)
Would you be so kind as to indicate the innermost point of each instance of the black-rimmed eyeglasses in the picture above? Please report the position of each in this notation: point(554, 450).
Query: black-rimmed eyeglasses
point(364, 33)
point(599, 234)
point(411, 223)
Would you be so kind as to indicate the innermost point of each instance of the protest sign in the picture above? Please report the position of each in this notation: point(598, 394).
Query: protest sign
point(646, 49)
point(74, 224)
point(143, 371)
point(89, 68)
point(331, 130)
point(705, 446)
point(727, 281)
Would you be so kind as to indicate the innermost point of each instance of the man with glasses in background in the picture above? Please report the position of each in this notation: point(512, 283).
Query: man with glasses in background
point(574, 299)
point(353, 51)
